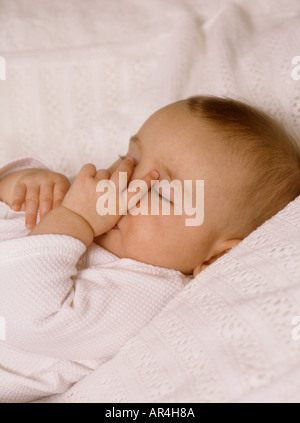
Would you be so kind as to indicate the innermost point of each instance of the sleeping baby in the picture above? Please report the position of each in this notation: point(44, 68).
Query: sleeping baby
point(78, 285)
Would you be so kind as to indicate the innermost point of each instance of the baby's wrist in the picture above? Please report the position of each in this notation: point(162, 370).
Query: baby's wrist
point(79, 218)
point(79, 223)
point(63, 221)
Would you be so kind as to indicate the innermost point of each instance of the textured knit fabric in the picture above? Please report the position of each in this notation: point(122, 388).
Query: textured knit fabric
point(228, 336)
point(67, 310)
point(82, 76)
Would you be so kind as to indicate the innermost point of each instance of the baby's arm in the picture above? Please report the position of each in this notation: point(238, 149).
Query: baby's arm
point(77, 216)
point(52, 308)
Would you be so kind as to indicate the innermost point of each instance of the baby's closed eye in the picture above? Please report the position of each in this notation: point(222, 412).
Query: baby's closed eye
point(164, 196)
point(157, 190)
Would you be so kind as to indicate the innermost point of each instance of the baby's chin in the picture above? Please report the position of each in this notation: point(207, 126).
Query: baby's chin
point(109, 242)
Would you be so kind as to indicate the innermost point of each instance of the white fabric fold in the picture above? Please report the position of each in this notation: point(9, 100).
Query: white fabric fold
point(227, 337)
point(67, 309)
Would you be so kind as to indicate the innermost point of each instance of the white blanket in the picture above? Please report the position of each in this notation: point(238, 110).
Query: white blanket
point(81, 78)
point(67, 309)
point(227, 337)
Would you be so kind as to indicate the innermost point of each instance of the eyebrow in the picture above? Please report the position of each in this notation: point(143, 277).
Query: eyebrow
point(137, 141)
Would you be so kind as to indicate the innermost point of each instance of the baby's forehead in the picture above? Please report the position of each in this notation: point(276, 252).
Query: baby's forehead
point(180, 140)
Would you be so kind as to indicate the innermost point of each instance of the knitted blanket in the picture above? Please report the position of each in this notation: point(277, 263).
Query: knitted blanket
point(232, 335)
point(66, 308)
point(81, 78)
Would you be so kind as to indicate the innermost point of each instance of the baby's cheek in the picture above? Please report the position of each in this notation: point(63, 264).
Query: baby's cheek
point(143, 208)
point(140, 206)
point(137, 228)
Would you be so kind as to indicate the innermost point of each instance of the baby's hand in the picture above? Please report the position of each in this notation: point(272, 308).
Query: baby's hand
point(82, 196)
point(34, 189)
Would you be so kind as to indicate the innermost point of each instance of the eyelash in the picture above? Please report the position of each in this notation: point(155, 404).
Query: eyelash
point(122, 157)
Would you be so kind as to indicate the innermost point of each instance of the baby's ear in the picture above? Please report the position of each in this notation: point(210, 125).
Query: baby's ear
point(205, 264)
point(226, 246)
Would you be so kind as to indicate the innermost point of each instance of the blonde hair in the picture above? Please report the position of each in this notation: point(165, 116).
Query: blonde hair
point(264, 148)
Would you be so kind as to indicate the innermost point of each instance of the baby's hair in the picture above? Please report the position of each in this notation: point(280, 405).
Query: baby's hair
point(263, 148)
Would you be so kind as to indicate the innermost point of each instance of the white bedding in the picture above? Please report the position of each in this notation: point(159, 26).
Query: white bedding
point(81, 78)
point(67, 309)
point(227, 337)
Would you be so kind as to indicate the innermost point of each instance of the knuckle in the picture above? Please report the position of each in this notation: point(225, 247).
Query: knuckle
point(60, 178)
point(103, 173)
point(57, 201)
point(56, 204)
point(50, 177)
point(46, 174)
point(31, 201)
point(46, 198)
point(60, 191)
point(47, 177)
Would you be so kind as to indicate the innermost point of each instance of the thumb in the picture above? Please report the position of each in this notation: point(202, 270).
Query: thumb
point(88, 170)
point(131, 197)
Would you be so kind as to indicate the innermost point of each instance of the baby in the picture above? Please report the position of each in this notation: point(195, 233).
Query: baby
point(251, 169)
point(250, 166)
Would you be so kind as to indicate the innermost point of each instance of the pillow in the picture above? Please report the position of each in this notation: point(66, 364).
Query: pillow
point(84, 84)
point(81, 80)
point(229, 336)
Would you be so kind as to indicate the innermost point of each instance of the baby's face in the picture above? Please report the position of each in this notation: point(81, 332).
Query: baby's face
point(176, 144)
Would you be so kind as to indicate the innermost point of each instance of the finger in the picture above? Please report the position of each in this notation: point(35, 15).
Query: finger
point(102, 174)
point(59, 193)
point(126, 166)
point(149, 179)
point(114, 166)
point(143, 186)
point(19, 193)
point(88, 170)
point(31, 206)
point(46, 199)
